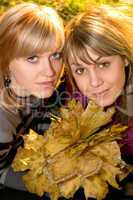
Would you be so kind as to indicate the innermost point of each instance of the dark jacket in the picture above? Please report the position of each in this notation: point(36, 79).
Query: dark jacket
point(15, 123)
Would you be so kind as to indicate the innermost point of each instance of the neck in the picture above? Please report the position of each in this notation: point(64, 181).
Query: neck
point(21, 100)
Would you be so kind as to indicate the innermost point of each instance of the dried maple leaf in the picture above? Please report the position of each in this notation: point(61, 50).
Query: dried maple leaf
point(76, 151)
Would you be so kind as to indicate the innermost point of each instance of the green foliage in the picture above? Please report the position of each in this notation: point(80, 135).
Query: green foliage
point(66, 8)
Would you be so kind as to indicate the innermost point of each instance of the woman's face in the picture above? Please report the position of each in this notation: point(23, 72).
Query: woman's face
point(101, 78)
point(37, 74)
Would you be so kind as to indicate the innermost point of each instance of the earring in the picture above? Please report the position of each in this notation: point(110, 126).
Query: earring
point(7, 81)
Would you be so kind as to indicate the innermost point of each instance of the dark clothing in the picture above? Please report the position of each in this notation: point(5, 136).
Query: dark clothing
point(36, 115)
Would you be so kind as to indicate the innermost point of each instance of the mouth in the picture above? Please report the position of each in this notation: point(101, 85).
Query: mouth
point(50, 83)
point(102, 93)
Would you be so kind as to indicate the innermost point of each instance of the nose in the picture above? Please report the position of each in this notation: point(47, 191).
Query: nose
point(95, 79)
point(47, 68)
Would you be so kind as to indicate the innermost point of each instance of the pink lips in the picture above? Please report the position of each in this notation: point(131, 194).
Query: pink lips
point(101, 93)
point(46, 83)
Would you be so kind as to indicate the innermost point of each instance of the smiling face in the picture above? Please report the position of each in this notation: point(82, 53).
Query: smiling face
point(101, 78)
point(37, 74)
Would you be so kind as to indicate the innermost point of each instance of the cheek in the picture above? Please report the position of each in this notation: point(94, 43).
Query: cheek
point(23, 77)
point(114, 76)
point(118, 78)
point(81, 83)
point(58, 70)
point(58, 66)
point(76, 79)
point(121, 80)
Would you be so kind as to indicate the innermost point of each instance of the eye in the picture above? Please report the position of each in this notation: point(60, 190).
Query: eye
point(103, 65)
point(56, 55)
point(79, 71)
point(33, 59)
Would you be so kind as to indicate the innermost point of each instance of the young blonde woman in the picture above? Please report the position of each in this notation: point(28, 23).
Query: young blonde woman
point(31, 42)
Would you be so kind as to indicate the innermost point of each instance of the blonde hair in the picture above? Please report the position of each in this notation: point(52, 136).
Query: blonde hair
point(106, 29)
point(28, 29)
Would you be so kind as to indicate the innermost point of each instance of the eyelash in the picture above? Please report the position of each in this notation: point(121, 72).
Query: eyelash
point(79, 71)
point(103, 65)
point(57, 55)
point(31, 59)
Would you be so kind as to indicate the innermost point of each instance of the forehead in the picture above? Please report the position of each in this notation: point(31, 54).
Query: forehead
point(41, 45)
point(86, 54)
point(55, 49)
point(92, 55)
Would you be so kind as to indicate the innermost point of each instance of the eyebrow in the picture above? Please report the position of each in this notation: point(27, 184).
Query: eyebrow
point(99, 60)
point(75, 65)
point(92, 61)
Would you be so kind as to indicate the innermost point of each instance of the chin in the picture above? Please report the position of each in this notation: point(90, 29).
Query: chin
point(105, 102)
point(43, 95)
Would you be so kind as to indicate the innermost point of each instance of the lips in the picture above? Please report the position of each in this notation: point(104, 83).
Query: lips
point(100, 93)
point(46, 83)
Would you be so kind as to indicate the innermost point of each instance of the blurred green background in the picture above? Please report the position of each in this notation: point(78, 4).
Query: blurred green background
point(66, 8)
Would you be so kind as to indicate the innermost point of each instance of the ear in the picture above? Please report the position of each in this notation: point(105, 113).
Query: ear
point(126, 62)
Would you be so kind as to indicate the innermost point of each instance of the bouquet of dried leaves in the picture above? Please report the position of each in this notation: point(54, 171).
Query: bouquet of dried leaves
point(76, 151)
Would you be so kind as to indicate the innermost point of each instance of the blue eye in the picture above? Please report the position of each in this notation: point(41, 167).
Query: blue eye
point(33, 59)
point(56, 55)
